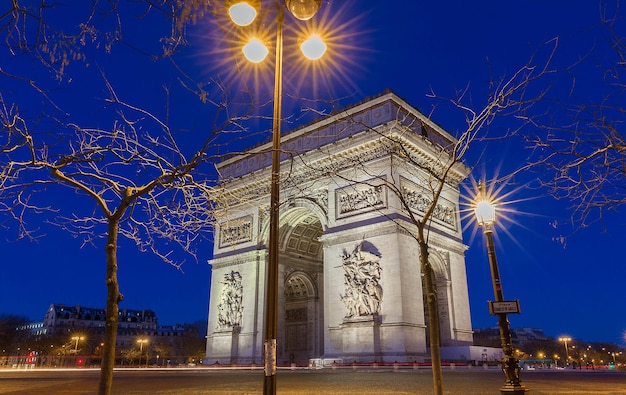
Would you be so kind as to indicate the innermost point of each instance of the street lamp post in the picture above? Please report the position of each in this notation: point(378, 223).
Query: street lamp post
point(243, 13)
point(77, 339)
point(141, 343)
point(566, 339)
point(486, 217)
point(556, 360)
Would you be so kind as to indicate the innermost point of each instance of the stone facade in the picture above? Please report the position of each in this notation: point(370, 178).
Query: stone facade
point(350, 283)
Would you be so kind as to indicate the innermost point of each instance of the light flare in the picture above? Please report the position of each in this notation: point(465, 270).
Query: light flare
point(501, 196)
point(339, 25)
point(340, 28)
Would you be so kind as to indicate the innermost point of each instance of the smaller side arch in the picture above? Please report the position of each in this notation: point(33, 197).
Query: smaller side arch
point(299, 285)
point(438, 264)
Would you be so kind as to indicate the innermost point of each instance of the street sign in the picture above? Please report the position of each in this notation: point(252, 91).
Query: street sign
point(504, 307)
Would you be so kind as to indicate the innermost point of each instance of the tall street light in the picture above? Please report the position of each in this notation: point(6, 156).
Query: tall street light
point(77, 339)
point(243, 13)
point(141, 342)
point(566, 339)
point(486, 216)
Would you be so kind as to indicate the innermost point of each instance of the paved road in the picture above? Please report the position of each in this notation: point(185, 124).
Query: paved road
point(305, 382)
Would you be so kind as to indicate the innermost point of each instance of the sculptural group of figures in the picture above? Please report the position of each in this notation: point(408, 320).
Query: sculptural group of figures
point(358, 200)
point(420, 202)
point(235, 233)
point(363, 292)
point(230, 308)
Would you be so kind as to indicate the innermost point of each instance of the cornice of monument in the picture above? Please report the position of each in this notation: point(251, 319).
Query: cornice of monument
point(364, 149)
point(237, 258)
point(387, 226)
point(370, 113)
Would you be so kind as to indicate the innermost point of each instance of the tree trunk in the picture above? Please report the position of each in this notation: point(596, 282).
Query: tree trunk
point(433, 315)
point(112, 311)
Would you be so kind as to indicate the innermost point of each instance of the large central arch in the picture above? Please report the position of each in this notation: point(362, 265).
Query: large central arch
point(301, 271)
point(350, 283)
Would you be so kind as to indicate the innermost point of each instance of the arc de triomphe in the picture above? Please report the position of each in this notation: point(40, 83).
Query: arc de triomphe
point(350, 284)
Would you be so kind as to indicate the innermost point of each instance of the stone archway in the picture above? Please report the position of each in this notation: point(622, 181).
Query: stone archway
point(302, 319)
point(300, 304)
point(339, 215)
point(442, 285)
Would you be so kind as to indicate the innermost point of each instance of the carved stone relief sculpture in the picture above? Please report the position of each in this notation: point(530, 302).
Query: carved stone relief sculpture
point(356, 199)
point(363, 292)
point(322, 199)
point(236, 232)
point(418, 199)
point(230, 308)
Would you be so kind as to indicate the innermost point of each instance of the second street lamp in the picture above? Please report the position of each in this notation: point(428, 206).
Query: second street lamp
point(486, 217)
point(566, 339)
point(141, 342)
point(77, 339)
point(303, 10)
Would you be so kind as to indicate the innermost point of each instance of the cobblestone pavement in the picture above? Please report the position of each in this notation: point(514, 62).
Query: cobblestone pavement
point(306, 382)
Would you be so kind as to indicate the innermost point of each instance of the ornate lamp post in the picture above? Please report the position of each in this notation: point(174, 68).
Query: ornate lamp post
point(243, 13)
point(486, 216)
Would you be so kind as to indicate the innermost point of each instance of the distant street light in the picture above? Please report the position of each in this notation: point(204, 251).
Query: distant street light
point(556, 360)
point(141, 343)
point(486, 216)
point(566, 339)
point(77, 339)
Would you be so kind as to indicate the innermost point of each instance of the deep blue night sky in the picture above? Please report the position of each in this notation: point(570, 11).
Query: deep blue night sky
point(571, 287)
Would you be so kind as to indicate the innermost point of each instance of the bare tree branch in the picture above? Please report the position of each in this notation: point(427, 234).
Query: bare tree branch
point(579, 153)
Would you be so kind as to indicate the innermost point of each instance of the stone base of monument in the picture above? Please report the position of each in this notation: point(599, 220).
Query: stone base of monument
point(367, 339)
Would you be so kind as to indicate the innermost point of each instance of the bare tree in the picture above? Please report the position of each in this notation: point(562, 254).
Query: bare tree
point(136, 177)
point(142, 188)
point(585, 165)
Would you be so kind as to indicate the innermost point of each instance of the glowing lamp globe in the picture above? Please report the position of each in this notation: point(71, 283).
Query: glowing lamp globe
point(255, 51)
point(242, 13)
point(485, 213)
point(303, 9)
point(313, 48)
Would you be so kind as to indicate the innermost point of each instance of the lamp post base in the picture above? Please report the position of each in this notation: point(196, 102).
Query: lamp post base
point(514, 389)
